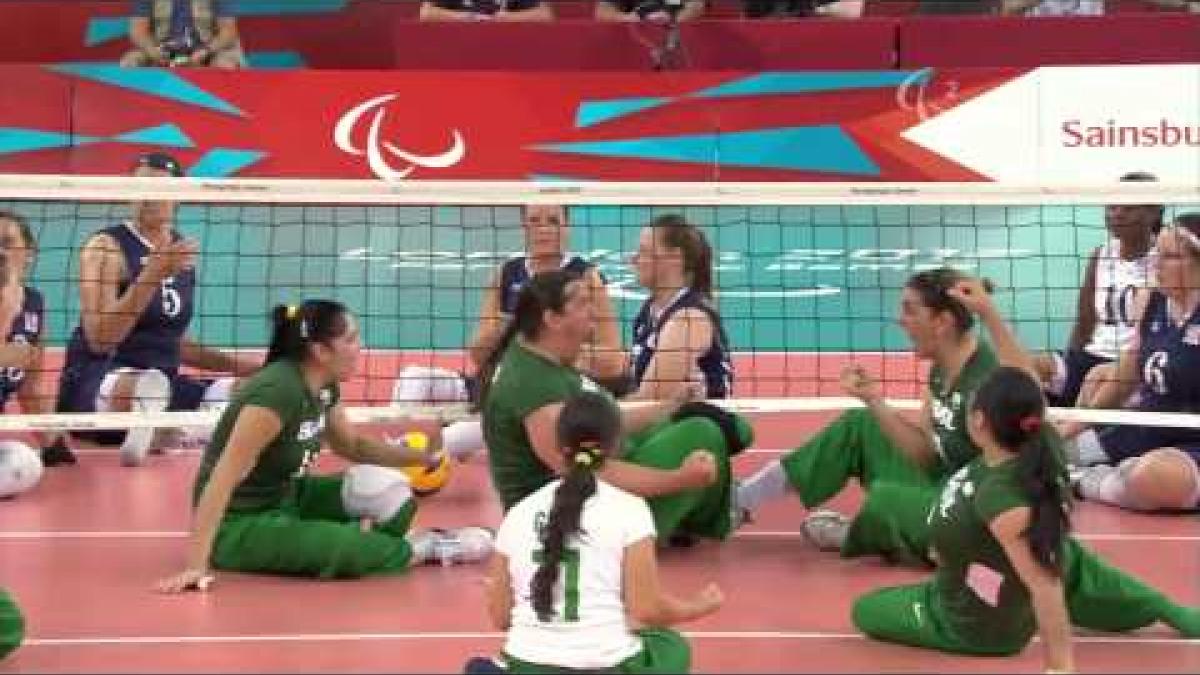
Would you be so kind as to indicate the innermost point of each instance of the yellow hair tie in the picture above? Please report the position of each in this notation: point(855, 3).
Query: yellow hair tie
point(291, 311)
point(584, 458)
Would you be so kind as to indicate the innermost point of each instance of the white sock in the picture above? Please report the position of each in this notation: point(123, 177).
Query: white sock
point(1088, 449)
point(768, 484)
point(1110, 484)
point(463, 439)
point(1058, 381)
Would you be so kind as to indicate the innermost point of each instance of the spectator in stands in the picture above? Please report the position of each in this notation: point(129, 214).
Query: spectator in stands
point(658, 11)
point(1053, 7)
point(184, 33)
point(756, 9)
point(486, 10)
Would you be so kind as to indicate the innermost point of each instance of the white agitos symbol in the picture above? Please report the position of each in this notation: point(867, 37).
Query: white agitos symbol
point(374, 151)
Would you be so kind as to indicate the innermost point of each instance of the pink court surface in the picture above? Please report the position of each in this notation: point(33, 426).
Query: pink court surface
point(82, 552)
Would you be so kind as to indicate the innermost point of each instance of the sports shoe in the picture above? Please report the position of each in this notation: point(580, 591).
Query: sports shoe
point(151, 392)
point(57, 453)
point(738, 515)
point(450, 547)
point(826, 529)
point(1085, 480)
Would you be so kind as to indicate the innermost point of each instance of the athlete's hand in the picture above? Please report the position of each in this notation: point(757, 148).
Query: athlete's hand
point(974, 294)
point(699, 469)
point(188, 580)
point(171, 259)
point(860, 384)
point(1069, 429)
point(709, 600)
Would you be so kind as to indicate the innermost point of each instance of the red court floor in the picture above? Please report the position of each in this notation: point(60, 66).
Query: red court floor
point(82, 552)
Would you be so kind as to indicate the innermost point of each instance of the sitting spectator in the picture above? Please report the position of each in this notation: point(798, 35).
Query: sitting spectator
point(658, 11)
point(184, 33)
point(756, 9)
point(1053, 7)
point(485, 10)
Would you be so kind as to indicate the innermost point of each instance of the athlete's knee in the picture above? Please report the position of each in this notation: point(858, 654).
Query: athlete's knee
point(375, 492)
point(1166, 478)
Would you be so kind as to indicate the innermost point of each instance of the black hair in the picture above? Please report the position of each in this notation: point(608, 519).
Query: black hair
point(932, 285)
point(545, 291)
point(678, 233)
point(1015, 410)
point(26, 234)
point(589, 427)
point(161, 161)
point(1147, 177)
point(296, 327)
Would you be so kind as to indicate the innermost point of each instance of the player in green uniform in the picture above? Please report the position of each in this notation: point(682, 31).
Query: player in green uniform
point(12, 625)
point(676, 455)
point(900, 462)
point(256, 507)
point(999, 534)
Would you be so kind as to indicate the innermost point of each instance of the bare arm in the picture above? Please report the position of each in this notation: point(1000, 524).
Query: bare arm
point(606, 11)
point(540, 12)
point(636, 416)
point(499, 592)
point(491, 324)
point(685, 337)
point(692, 9)
point(33, 395)
point(1085, 313)
point(645, 599)
point(255, 427)
point(348, 443)
point(640, 480)
point(197, 355)
point(1010, 7)
point(431, 12)
point(141, 34)
point(1045, 589)
point(603, 355)
point(915, 439)
point(107, 317)
point(1009, 352)
point(226, 36)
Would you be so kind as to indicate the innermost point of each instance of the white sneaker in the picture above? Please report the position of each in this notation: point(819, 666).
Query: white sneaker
point(448, 547)
point(826, 529)
point(151, 393)
point(1085, 480)
point(738, 515)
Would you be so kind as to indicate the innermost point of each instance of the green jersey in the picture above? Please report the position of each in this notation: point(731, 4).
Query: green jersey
point(949, 404)
point(281, 388)
point(524, 382)
point(980, 592)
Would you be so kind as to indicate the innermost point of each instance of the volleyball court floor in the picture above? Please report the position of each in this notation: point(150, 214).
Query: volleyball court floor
point(82, 553)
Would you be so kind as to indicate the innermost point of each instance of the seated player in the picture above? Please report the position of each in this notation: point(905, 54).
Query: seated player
point(257, 509)
point(1005, 560)
point(1141, 467)
point(22, 359)
point(604, 536)
point(137, 283)
point(1105, 320)
point(547, 233)
point(677, 456)
point(678, 337)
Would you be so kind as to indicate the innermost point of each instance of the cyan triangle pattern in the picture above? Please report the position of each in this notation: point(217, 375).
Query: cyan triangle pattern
point(268, 7)
point(221, 162)
point(811, 82)
point(595, 112)
point(149, 81)
point(16, 139)
point(164, 134)
point(817, 148)
point(106, 29)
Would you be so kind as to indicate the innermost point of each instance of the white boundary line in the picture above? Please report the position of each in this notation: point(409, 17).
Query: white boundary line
point(468, 635)
point(747, 534)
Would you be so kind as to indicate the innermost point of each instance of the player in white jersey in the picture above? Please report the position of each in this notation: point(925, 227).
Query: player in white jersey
point(576, 559)
point(1105, 323)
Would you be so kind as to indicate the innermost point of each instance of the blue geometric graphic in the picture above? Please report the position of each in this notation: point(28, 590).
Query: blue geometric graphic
point(220, 162)
point(270, 7)
point(14, 140)
point(104, 29)
point(817, 148)
point(761, 84)
point(281, 60)
point(150, 81)
point(595, 112)
point(810, 82)
point(164, 134)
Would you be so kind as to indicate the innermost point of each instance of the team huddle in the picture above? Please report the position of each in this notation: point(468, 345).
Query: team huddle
point(600, 456)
